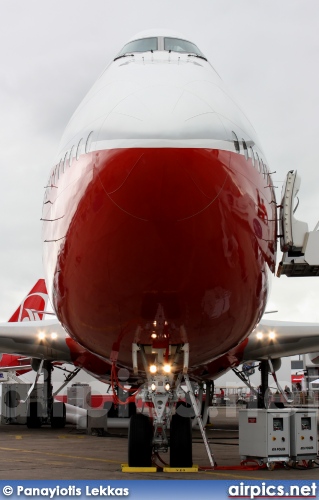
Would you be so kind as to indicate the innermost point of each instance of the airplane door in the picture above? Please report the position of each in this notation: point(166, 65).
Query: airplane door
point(293, 231)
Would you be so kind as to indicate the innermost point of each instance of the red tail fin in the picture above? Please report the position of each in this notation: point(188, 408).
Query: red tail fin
point(32, 306)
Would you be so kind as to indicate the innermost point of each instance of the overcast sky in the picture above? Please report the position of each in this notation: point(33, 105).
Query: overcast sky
point(51, 52)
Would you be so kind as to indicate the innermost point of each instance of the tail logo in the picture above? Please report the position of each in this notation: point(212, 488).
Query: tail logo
point(31, 307)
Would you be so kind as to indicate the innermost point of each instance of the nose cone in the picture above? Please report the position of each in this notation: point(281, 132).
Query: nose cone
point(163, 111)
point(162, 184)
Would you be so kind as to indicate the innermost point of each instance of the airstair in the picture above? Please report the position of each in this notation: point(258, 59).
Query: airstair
point(300, 246)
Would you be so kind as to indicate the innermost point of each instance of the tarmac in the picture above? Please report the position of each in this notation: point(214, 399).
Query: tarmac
point(71, 454)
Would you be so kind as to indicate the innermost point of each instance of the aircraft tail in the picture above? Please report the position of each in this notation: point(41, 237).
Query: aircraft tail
point(33, 306)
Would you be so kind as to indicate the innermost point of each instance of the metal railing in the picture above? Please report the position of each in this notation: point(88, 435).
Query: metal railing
point(299, 398)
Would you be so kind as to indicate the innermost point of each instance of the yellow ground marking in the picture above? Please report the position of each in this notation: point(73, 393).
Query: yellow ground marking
point(181, 469)
point(90, 459)
point(16, 436)
point(126, 468)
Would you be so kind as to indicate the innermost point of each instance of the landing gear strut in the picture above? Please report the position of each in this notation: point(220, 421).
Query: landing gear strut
point(56, 412)
point(45, 410)
point(161, 392)
point(264, 368)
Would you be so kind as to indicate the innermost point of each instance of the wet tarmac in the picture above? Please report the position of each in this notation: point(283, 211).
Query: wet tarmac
point(71, 454)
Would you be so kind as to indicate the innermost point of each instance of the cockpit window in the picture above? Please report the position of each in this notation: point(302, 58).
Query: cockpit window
point(177, 45)
point(143, 45)
point(155, 43)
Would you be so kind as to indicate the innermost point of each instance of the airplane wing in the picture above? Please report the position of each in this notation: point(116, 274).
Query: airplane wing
point(271, 339)
point(39, 339)
point(26, 334)
point(277, 339)
point(49, 341)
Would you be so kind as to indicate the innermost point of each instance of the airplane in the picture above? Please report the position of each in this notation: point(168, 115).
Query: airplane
point(159, 239)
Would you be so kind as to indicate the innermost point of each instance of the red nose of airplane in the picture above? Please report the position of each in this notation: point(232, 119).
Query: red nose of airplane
point(148, 222)
point(168, 185)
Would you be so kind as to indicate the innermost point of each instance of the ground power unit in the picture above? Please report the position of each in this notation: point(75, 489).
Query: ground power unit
point(79, 395)
point(264, 435)
point(303, 434)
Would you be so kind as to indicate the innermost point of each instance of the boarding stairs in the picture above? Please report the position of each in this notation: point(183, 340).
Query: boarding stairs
point(300, 246)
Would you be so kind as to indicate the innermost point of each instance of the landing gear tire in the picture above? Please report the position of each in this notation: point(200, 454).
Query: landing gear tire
point(181, 442)
point(140, 441)
point(34, 420)
point(58, 415)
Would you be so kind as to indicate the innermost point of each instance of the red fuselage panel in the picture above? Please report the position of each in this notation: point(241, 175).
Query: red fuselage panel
point(189, 228)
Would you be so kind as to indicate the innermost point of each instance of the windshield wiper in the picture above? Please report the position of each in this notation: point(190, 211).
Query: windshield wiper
point(123, 55)
point(197, 55)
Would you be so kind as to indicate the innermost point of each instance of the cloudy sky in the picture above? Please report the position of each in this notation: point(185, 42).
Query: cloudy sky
point(51, 52)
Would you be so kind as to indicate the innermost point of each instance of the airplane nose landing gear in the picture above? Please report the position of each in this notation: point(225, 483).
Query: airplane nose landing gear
point(161, 392)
